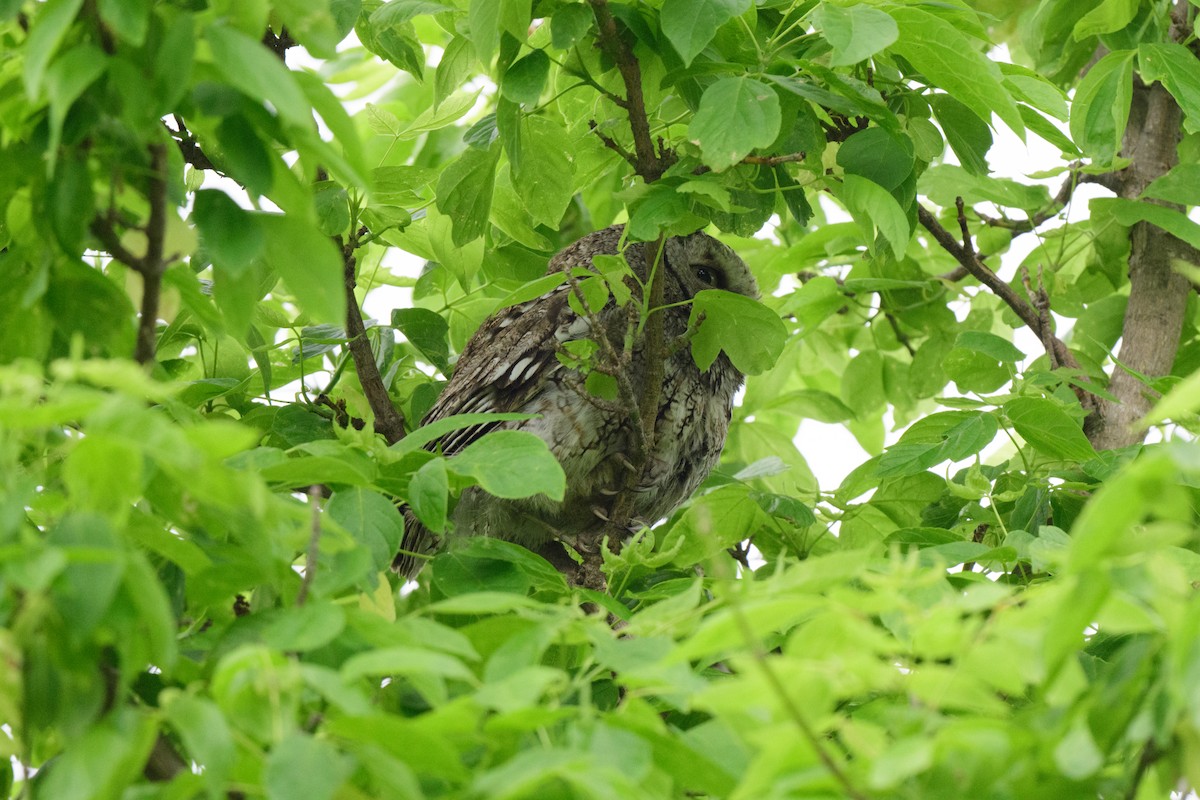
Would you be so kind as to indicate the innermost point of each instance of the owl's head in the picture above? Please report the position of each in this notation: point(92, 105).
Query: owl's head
point(697, 262)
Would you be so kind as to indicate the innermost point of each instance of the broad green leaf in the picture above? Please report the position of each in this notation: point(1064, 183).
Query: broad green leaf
point(989, 344)
point(874, 208)
point(568, 24)
point(427, 332)
point(408, 661)
point(315, 278)
point(1181, 185)
point(1109, 16)
point(129, 19)
point(1183, 400)
point(397, 12)
point(233, 237)
point(1077, 755)
point(429, 494)
point(53, 21)
point(255, 71)
point(70, 74)
point(1047, 427)
point(464, 192)
point(333, 208)
point(877, 155)
point(372, 519)
point(752, 103)
point(968, 136)
point(511, 464)
point(524, 81)
point(1179, 71)
point(1131, 212)
point(435, 430)
point(206, 737)
point(303, 766)
point(751, 334)
point(1101, 108)
point(855, 33)
point(955, 63)
point(691, 24)
point(545, 180)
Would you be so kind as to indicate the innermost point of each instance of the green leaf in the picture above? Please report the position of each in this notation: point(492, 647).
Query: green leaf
point(464, 192)
point(1076, 754)
point(990, 344)
point(511, 464)
point(968, 136)
point(1043, 424)
point(545, 180)
point(524, 81)
point(301, 766)
point(397, 12)
point(691, 24)
point(129, 19)
point(878, 156)
point(568, 24)
point(855, 33)
point(953, 62)
point(206, 737)
point(315, 277)
point(1131, 212)
point(429, 494)
point(408, 661)
point(751, 334)
point(426, 331)
point(436, 430)
point(232, 237)
point(52, 22)
point(1181, 185)
point(332, 205)
point(1101, 108)
point(1182, 401)
point(372, 519)
point(873, 207)
point(1109, 16)
point(752, 103)
point(1179, 71)
point(68, 77)
point(258, 73)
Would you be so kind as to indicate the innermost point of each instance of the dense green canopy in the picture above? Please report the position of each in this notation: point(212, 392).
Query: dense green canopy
point(202, 451)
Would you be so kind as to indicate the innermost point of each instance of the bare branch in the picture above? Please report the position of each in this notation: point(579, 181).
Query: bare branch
point(388, 420)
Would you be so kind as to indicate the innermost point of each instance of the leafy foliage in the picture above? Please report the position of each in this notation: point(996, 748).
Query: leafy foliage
point(195, 593)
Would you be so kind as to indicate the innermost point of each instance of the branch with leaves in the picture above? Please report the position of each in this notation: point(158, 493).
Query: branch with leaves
point(151, 264)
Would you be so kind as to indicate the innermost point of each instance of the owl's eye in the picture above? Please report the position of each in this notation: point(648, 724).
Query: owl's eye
point(706, 275)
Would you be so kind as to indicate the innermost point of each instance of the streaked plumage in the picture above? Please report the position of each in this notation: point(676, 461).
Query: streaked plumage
point(510, 365)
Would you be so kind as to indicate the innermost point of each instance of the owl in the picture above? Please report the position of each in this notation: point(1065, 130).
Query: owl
point(512, 364)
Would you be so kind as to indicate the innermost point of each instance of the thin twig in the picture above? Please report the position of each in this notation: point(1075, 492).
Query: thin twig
point(789, 706)
point(613, 144)
point(388, 420)
point(314, 540)
point(773, 161)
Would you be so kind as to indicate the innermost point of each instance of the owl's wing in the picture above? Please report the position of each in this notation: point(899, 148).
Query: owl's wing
point(505, 364)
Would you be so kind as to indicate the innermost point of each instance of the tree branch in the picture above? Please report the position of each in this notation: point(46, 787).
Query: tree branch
point(388, 419)
point(151, 265)
point(649, 163)
point(969, 261)
point(1157, 293)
